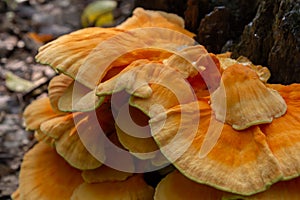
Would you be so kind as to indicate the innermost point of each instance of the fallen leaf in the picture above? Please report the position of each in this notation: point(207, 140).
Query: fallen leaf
point(98, 13)
point(17, 84)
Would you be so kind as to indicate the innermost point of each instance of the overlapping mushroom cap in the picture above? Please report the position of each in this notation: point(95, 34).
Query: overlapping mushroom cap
point(61, 125)
point(145, 87)
point(63, 133)
point(157, 86)
point(146, 18)
point(248, 100)
point(245, 161)
point(62, 128)
point(176, 186)
point(132, 188)
point(46, 175)
point(93, 55)
point(82, 57)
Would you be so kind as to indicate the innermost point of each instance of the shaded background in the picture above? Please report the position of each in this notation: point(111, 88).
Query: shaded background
point(267, 32)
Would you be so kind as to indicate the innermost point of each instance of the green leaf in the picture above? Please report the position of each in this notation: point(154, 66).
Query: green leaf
point(17, 84)
point(98, 13)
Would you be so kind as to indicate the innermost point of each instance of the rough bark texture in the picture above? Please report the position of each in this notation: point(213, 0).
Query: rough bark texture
point(273, 39)
point(265, 31)
point(214, 29)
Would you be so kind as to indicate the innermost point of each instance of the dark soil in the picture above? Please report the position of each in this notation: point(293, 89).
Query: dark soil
point(18, 19)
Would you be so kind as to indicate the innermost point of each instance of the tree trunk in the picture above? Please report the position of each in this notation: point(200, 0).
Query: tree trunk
point(266, 31)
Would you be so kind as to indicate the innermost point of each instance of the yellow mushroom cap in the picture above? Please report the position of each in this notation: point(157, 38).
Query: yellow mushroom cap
point(134, 133)
point(45, 175)
point(225, 61)
point(62, 131)
point(16, 194)
point(86, 54)
point(281, 190)
point(42, 137)
point(282, 134)
point(248, 100)
point(93, 55)
point(74, 133)
point(56, 88)
point(105, 174)
point(244, 162)
point(238, 162)
point(136, 77)
point(200, 68)
point(105, 55)
point(68, 52)
point(176, 186)
point(146, 18)
point(132, 188)
point(96, 67)
point(37, 112)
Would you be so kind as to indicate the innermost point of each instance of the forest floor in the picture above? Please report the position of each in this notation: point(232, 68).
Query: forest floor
point(25, 25)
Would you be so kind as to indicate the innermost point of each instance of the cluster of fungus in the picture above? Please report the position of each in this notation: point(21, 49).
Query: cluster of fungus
point(145, 88)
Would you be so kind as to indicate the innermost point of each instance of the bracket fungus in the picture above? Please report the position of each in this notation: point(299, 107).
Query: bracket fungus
point(139, 79)
point(62, 130)
point(72, 113)
point(225, 61)
point(248, 160)
point(146, 18)
point(83, 55)
point(248, 100)
point(46, 175)
point(229, 134)
point(176, 186)
point(132, 188)
point(105, 173)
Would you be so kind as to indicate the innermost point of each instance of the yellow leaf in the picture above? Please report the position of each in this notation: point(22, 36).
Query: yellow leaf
point(17, 84)
point(98, 13)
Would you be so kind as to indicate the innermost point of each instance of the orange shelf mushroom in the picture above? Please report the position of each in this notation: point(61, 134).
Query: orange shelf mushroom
point(146, 18)
point(105, 173)
point(92, 55)
point(134, 134)
point(145, 87)
point(153, 86)
point(73, 112)
point(225, 61)
point(245, 161)
point(62, 128)
point(46, 175)
point(248, 100)
point(63, 134)
point(176, 186)
point(132, 188)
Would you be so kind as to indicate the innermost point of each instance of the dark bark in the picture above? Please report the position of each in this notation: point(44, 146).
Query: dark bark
point(266, 31)
point(214, 29)
point(273, 39)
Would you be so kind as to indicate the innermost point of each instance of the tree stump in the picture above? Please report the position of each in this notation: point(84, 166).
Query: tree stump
point(267, 31)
